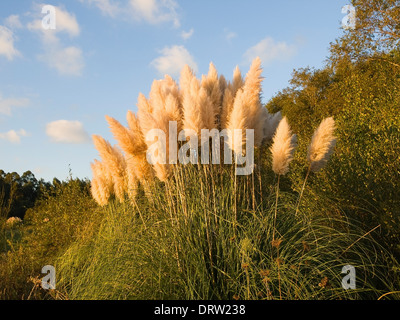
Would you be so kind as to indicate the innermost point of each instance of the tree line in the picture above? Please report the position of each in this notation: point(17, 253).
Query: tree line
point(18, 193)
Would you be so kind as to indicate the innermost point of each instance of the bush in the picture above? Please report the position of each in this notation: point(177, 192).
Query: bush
point(363, 175)
point(64, 214)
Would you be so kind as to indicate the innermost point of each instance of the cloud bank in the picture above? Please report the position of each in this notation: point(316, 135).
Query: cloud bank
point(65, 131)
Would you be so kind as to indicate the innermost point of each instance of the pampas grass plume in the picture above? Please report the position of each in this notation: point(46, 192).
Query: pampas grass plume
point(125, 137)
point(114, 160)
point(247, 112)
point(211, 83)
point(283, 147)
point(322, 144)
point(102, 184)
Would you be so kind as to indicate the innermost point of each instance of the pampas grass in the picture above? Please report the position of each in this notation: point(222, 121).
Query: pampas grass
point(198, 109)
point(319, 151)
point(322, 145)
point(198, 214)
point(229, 97)
point(137, 161)
point(283, 147)
point(116, 165)
point(162, 107)
point(211, 102)
point(102, 183)
point(211, 83)
point(247, 110)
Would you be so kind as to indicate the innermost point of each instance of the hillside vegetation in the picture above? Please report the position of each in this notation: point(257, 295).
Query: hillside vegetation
point(324, 192)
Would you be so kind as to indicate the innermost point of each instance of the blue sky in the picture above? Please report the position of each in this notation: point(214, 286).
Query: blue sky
point(56, 86)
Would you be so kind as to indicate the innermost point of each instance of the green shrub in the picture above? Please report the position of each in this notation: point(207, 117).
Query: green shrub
point(66, 213)
point(363, 175)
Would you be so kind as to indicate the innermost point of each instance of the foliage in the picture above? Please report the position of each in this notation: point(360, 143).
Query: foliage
point(364, 172)
point(18, 193)
point(376, 32)
point(64, 213)
point(207, 235)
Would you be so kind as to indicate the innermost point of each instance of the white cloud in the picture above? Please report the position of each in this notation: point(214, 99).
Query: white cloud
point(150, 11)
point(270, 50)
point(187, 34)
point(6, 105)
point(107, 7)
point(64, 131)
point(14, 136)
point(229, 35)
point(13, 22)
point(67, 60)
point(65, 22)
point(155, 11)
point(7, 48)
point(173, 59)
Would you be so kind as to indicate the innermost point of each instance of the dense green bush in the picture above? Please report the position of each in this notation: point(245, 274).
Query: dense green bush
point(65, 213)
point(364, 173)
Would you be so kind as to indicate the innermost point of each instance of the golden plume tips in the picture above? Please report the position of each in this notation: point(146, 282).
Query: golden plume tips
point(102, 185)
point(247, 111)
point(211, 102)
point(211, 83)
point(322, 144)
point(114, 160)
point(283, 147)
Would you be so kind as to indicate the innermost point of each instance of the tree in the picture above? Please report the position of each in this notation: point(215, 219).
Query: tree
point(376, 34)
point(17, 193)
point(360, 87)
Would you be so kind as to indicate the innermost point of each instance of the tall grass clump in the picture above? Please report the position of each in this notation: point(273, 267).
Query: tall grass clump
point(199, 231)
point(190, 245)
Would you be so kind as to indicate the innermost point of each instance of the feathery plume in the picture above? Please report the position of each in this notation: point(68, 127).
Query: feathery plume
point(96, 194)
point(102, 185)
point(322, 144)
point(227, 106)
point(167, 110)
point(228, 98)
point(223, 84)
point(138, 162)
point(132, 180)
point(211, 83)
point(237, 82)
point(282, 149)
point(136, 132)
point(159, 92)
point(198, 110)
point(115, 162)
point(125, 137)
point(247, 112)
point(101, 172)
point(187, 75)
